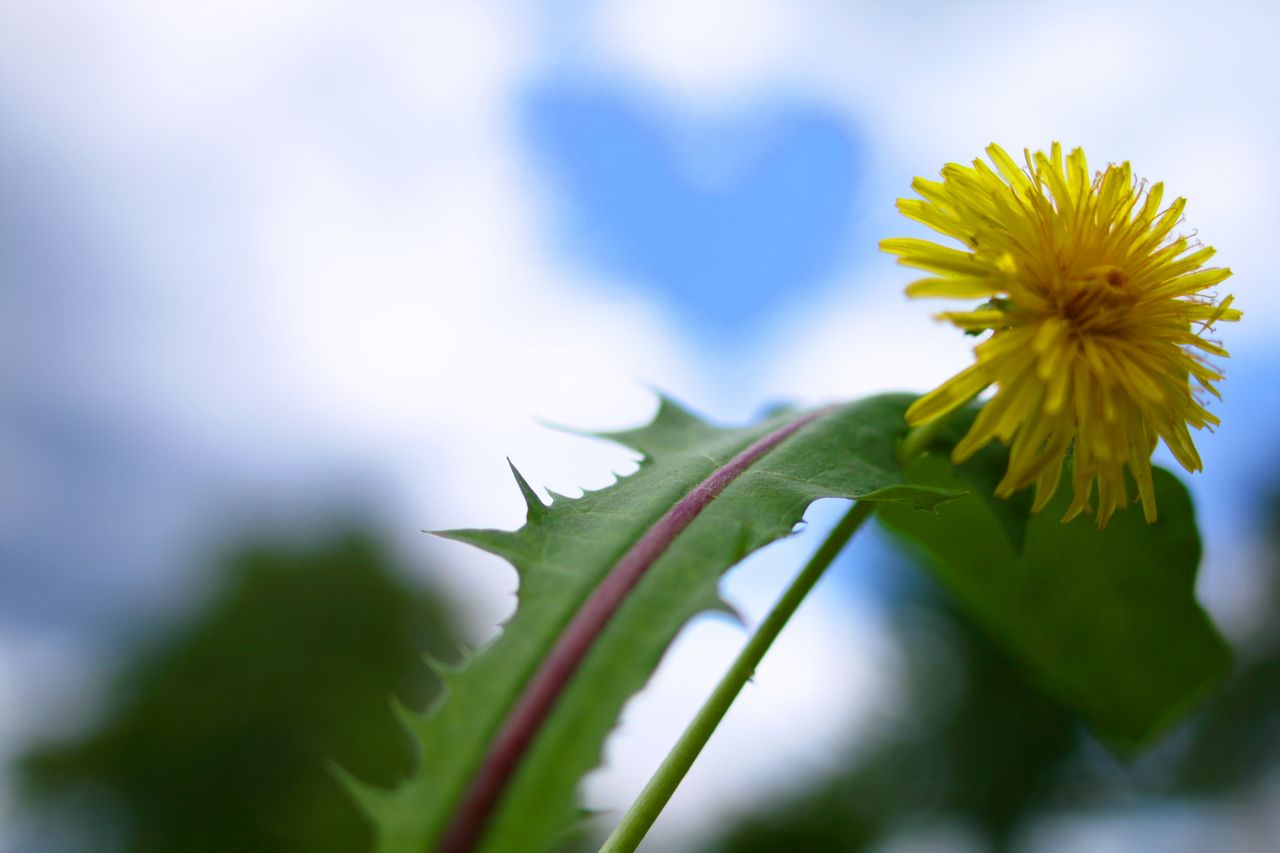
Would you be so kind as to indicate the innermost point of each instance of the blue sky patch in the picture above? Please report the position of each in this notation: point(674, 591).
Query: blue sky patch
point(724, 220)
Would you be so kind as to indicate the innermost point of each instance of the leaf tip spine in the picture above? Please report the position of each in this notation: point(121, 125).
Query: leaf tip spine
point(535, 508)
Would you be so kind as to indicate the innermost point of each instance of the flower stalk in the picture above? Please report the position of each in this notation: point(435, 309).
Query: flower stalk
point(640, 817)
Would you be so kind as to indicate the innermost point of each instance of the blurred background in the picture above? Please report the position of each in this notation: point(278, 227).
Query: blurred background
point(282, 285)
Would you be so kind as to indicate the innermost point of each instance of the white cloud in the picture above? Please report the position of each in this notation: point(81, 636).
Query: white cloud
point(701, 52)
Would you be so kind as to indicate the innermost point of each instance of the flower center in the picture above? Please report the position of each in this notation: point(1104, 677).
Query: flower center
point(1097, 300)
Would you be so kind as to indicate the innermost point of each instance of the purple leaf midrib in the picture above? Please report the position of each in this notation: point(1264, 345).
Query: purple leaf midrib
point(538, 699)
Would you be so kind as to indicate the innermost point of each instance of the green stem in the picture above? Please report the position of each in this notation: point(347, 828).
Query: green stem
point(636, 822)
point(918, 440)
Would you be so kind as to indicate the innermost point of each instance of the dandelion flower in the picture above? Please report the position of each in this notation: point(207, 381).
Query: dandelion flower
point(1097, 317)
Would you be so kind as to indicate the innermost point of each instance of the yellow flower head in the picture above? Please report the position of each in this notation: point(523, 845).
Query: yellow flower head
point(1097, 316)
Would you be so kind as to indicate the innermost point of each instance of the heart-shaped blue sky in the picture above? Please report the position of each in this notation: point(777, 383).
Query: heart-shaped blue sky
point(724, 220)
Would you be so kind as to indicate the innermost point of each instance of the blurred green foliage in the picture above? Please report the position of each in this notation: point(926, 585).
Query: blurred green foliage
point(1104, 621)
point(221, 737)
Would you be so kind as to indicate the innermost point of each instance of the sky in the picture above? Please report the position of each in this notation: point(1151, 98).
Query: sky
point(266, 263)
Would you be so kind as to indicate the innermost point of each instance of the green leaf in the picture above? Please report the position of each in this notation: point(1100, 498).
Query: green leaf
point(563, 553)
point(1105, 621)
